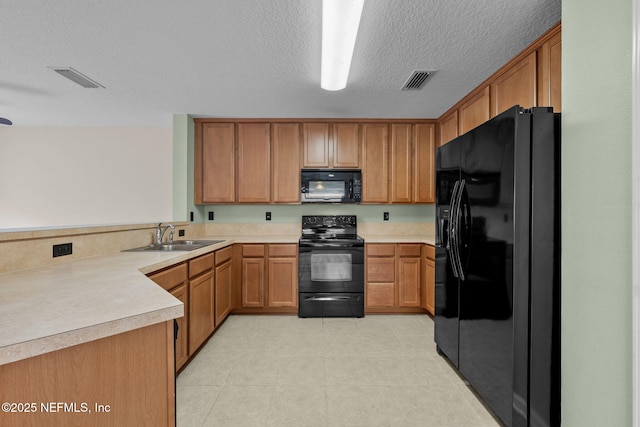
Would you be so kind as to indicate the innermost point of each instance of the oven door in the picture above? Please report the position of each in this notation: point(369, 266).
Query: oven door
point(330, 269)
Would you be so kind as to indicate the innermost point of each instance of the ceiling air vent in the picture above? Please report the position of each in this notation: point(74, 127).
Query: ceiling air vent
point(417, 80)
point(77, 77)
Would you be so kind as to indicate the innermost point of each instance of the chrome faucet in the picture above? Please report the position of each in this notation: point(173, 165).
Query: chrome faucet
point(160, 233)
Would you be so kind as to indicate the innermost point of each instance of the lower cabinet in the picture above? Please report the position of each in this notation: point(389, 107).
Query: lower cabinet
point(201, 300)
point(428, 278)
point(204, 286)
point(269, 278)
point(395, 278)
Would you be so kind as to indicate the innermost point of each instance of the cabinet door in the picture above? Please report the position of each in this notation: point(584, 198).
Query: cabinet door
point(253, 282)
point(516, 86)
point(182, 350)
point(254, 165)
point(549, 74)
point(346, 146)
point(449, 128)
point(285, 162)
point(409, 282)
point(475, 111)
point(424, 169)
point(431, 285)
point(401, 163)
point(283, 282)
point(375, 163)
point(223, 291)
point(380, 295)
point(218, 160)
point(315, 151)
point(201, 310)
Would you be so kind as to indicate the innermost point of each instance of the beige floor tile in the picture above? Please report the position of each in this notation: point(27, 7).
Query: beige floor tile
point(381, 370)
point(297, 406)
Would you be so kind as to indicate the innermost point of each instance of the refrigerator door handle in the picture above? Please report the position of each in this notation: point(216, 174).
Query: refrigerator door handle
point(451, 238)
point(458, 258)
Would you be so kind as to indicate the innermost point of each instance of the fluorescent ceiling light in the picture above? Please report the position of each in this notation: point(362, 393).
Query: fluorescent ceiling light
point(340, 22)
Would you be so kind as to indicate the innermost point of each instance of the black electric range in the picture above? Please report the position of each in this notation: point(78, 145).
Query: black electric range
point(330, 267)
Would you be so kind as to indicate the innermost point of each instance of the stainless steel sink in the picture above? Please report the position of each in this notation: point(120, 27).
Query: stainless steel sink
point(177, 245)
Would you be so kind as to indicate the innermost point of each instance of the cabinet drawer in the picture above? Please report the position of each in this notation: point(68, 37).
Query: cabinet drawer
point(376, 249)
point(171, 277)
point(409, 250)
point(252, 250)
point(283, 250)
point(224, 254)
point(429, 252)
point(381, 269)
point(200, 264)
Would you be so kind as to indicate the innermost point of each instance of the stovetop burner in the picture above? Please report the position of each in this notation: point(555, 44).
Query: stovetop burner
point(330, 229)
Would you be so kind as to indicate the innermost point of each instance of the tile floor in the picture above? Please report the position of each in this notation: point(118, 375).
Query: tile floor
point(381, 370)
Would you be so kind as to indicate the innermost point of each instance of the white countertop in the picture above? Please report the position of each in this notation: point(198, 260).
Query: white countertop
point(49, 308)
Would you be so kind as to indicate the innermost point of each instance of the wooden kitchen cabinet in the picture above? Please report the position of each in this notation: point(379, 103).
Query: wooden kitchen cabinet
point(515, 86)
point(401, 163)
point(408, 275)
point(448, 127)
point(201, 300)
point(283, 275)
point(315, 150)
point(345, 151)
point(380, 275)
point(550, 73)
point(175, 280)
point(285, 163)
point(215, 159)
point(253, 275)
point(375, 163)
point(223, 280)
point(428, 281)
point(424, 166)
point(269, 278)
point(254, 165)
point(475, 111)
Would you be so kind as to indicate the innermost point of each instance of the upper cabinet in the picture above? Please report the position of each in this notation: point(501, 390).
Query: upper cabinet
point(330, 146)
point(259, 161)
point(285, 164)
point(375, 163)
point(215, 163)
point(515, 86)
point(531, 79)
point(254, 166)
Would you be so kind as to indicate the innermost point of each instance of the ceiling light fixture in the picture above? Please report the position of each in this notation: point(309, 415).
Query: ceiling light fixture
point(340, 22)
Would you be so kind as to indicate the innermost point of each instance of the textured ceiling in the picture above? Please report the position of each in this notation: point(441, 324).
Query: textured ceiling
point(248, 58)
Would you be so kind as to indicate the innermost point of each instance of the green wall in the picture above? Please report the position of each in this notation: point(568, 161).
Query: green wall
point(596, 213)
point(293, 213)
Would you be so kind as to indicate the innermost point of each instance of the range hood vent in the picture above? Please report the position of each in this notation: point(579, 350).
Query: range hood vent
point(417, 79)
point(77, 77)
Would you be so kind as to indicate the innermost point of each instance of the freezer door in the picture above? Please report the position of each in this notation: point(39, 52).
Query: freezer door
point(446, 281)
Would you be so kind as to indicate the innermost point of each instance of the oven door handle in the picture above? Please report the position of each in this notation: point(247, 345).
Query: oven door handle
point(327, 298)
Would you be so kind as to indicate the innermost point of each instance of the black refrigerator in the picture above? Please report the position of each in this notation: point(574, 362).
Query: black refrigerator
point(497, 293)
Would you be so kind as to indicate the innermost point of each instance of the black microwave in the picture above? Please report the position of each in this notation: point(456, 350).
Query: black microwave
point(331, 186)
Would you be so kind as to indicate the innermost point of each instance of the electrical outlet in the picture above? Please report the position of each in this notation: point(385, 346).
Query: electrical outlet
point(211, 216)
point(385, 216)
point(180, 233)
point(268, 216)
point(62, 249)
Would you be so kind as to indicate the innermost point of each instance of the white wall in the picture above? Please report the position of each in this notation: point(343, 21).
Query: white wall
point(56, 177)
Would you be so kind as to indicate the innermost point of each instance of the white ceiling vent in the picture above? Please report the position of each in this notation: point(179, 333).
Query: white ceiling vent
point(77, 77)
point(417, 79)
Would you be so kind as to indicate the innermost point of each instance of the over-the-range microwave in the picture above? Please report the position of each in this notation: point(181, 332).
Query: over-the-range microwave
point(331, 186)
